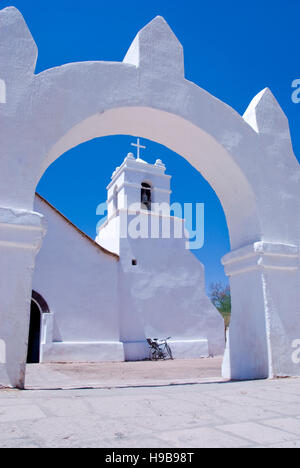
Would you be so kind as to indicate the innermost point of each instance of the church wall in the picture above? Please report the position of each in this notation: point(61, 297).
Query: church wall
point(79, 282)
point(164, 295)
point(109, 236)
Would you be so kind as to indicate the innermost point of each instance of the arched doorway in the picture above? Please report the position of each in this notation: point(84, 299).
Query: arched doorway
point(37, 308)
point(33, 355)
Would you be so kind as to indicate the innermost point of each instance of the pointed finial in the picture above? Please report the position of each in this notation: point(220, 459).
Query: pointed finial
point(266, 117)
point(157, 48)
point(264, 114)
point(18, 50)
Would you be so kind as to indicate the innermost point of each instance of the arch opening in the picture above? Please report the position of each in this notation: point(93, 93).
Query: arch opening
point(89, 150)
point(201, 150)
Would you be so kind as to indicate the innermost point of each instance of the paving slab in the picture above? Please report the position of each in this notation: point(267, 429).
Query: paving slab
point(205, 414)
point(257, 433)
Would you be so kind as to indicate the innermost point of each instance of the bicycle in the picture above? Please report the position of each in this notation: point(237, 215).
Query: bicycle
point(159, 349)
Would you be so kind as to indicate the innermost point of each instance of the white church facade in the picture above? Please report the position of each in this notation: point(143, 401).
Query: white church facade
point(247, 159)
point(100, 300)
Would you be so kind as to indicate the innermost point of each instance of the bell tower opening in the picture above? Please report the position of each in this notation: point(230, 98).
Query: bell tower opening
point(146, 196)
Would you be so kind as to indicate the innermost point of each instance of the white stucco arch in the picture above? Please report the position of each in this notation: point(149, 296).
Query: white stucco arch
point(189, 141)
point(247, 160)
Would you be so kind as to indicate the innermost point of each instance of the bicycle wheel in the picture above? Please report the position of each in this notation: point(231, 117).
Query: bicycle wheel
point(156, 355)
point(169, 352)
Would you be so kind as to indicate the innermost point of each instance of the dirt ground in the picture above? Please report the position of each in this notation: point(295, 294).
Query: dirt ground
point(122, 374)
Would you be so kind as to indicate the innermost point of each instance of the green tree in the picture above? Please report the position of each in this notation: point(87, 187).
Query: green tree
point(221, 299)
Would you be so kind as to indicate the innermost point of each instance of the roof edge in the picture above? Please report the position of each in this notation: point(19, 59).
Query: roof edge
point(83, 234)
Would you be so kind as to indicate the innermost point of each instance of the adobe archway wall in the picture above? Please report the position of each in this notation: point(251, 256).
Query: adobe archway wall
point(248, 161)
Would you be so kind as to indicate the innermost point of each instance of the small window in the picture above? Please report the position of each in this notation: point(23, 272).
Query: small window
point(134, 262)
point(146, 196)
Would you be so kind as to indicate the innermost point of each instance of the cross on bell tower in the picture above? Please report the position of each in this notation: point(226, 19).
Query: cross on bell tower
point(136, 188)
point(139, 147)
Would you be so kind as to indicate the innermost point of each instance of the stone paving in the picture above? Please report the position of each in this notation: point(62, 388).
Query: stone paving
point(217, 414)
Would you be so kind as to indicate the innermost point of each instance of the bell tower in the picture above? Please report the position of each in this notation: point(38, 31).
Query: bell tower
point(136, 187)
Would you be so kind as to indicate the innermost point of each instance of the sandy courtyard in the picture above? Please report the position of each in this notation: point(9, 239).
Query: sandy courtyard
point(122, 374)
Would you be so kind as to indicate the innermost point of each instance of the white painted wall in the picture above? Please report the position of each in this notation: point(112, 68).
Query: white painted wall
point(79, 282)
point(165, 295)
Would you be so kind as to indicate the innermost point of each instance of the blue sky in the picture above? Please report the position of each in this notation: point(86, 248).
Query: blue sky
point(233, 49)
